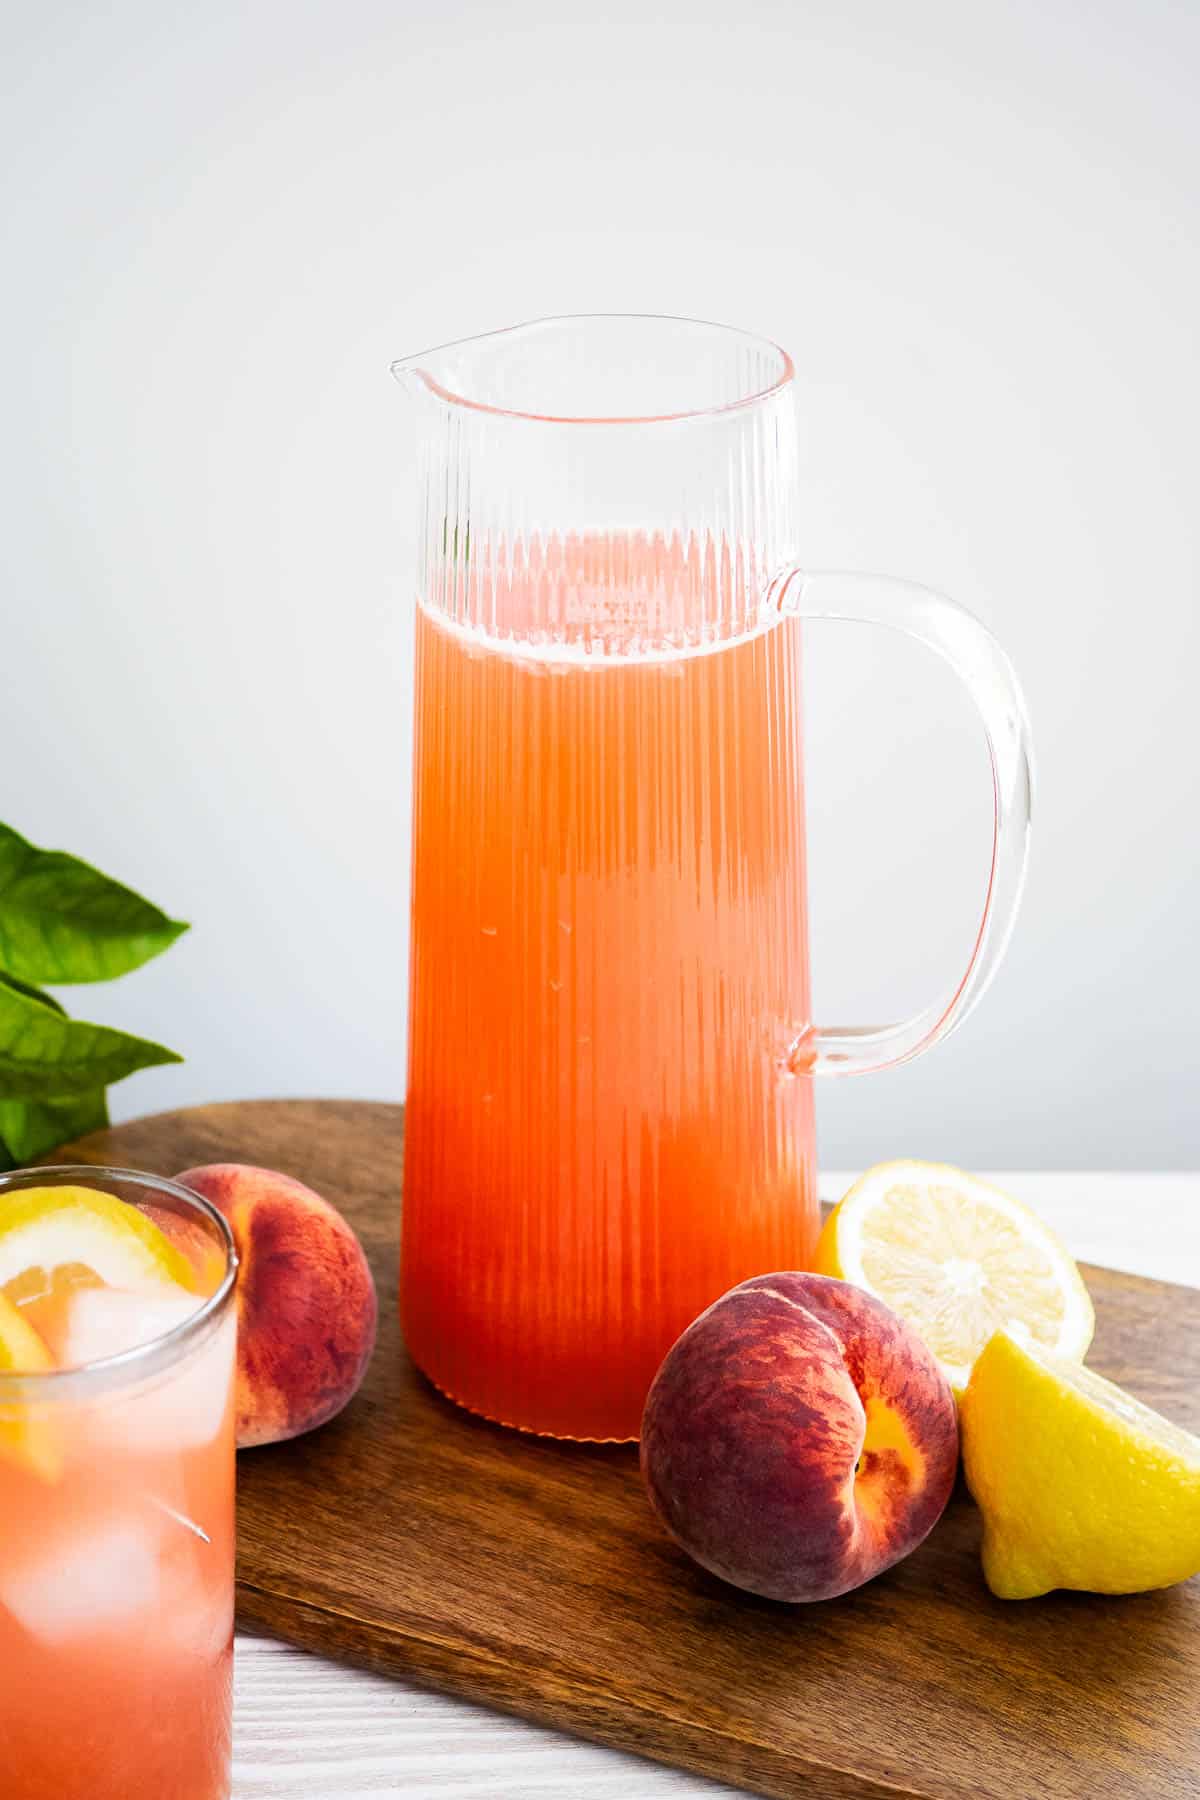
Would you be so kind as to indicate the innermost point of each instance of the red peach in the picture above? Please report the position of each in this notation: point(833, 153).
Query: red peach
point(306, 1301)
point(799, 1438)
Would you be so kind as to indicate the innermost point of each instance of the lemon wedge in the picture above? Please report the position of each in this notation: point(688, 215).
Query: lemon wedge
point(957, 1259)
point(1079, 1484)
point(22, 1351)
point(48, 1228)
point(25, 1437)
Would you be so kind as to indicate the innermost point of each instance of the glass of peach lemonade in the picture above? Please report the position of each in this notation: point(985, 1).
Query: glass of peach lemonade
point(117, 1351)
point(610, 1112)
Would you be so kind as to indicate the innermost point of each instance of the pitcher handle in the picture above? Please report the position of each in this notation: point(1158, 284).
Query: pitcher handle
point(985, 671)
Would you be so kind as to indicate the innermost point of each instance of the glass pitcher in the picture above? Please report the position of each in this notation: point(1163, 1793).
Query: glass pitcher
point(610, 1110)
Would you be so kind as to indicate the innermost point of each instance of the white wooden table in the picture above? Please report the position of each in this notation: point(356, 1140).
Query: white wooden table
point(308, 1729)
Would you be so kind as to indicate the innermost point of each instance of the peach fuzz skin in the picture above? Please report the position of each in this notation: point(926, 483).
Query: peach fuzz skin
point(799, 1438)
point(307, 1310)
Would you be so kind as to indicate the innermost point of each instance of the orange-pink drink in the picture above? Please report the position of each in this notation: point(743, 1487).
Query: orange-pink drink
point(116, 1512)
point(605, 1129)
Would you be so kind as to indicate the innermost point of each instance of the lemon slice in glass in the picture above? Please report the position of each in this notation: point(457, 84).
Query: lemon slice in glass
point(1079, 1484)
point(50, 1228)
point(22, 1351)
point(52, 1241)
point(957, 1259)
point(25, 1437)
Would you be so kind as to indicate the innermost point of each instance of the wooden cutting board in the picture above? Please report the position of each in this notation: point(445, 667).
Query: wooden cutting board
point(414, 1539)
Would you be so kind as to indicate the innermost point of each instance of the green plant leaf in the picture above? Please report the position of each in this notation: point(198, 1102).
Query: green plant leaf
point(28, 1128)
point(32, 993)
point(62, 921)
point(46, 1056)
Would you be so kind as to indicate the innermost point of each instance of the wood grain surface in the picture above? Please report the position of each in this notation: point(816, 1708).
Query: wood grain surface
point(415, 1540)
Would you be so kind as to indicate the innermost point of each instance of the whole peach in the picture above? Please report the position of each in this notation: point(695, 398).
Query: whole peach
point(799, 1438)
point(306, 1302)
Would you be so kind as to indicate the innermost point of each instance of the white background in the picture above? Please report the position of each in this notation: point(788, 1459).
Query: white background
point(975, 227)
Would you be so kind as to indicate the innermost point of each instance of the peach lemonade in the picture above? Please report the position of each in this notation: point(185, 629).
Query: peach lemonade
point(117, 1349)
point(609, 968)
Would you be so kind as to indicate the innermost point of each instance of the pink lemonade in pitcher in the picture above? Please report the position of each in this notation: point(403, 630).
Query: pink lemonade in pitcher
point(612, 1052)
point(116, 1501)
point(609, 967)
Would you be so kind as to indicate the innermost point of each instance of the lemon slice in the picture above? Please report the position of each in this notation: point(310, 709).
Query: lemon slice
point(1080, 1485)
point(22, 1351)
point(52, 1239)
point(25, 1437)
point(48, 1228)
point(958, 1260)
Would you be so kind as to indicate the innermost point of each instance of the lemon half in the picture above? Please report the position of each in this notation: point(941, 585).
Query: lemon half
point(1079, 1484)
point(957, 1259)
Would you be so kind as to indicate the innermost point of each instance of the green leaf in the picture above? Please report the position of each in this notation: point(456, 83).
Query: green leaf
point(33, 993)
point(28, 1128)
point(63, 921)
point(46, 1056)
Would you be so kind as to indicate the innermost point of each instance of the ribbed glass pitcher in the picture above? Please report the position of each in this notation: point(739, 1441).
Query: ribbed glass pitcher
point(610, 1112)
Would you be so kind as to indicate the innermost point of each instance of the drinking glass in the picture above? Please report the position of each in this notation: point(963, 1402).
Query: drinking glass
point(117, 1538)
point(610, 1110)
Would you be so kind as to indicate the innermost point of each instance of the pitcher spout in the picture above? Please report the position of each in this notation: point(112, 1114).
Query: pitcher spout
point(462, 373)
point(419, 375)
